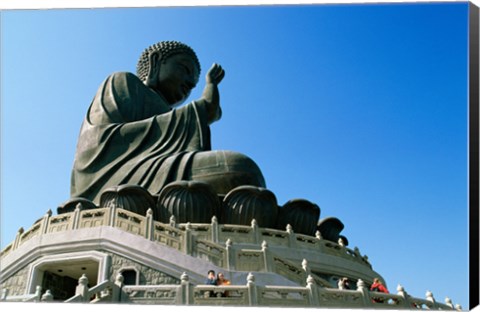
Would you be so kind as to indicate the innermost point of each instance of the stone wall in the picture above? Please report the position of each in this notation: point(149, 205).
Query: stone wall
point(17, 283)
point(148, 276)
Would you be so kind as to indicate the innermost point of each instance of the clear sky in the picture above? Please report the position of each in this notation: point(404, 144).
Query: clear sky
point(361, 109)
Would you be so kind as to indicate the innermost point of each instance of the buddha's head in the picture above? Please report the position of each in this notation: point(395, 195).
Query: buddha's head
point(171, 68)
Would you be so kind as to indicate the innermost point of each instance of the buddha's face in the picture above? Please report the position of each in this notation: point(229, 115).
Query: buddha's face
point(177, 76)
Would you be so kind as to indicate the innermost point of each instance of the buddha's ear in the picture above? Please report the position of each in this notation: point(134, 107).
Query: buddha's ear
point(154, 59)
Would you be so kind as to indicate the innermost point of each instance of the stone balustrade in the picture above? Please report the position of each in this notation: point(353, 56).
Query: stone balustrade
point(35, 297)
point(206, 241)
point(249, 294)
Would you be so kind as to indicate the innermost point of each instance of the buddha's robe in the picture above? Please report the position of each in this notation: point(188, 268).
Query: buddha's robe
point(131, 136)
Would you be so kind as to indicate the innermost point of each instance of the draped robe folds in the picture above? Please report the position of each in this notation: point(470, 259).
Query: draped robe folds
point(131, 136)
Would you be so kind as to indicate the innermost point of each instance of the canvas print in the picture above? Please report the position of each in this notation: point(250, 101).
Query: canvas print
point(263, 155)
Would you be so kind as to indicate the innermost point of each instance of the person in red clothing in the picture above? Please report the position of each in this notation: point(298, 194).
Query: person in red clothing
point(378, 287)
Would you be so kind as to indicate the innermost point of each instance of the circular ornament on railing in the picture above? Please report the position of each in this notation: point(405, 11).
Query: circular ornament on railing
point(71, 204)
point(188, 201)
point(330, 228)
point(133, 198)
point(244, 203)
point(301, 214)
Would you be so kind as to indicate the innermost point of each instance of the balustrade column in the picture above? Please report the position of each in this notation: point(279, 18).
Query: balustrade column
point(117, 288)
point(364, 292)
point(267, 257)
point(112, 214)
point(3, 296)
point(406, 298)
point(18, 237)
point(46, 218)
point(185, 295)
point(230, 255)
point(82, 288)
point(291, 237)
point(188, 240)
point(312, 292)
point(47, 296)
point(449, 303)
point(306, 268)
point(38, 294)
point(255, 232)
point(149, 225)
point(214, 227)
point(252, 290)
point(76, 216)
point(430, 298)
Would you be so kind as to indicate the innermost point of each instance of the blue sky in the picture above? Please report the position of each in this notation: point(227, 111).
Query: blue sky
point(361, 109)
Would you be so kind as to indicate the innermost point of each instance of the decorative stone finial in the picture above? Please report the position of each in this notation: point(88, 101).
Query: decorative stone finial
point(79, 207)
point(250, 278)
point(228, 243)
point(360, 283)
point(172, 220)
point(83, 280)
point(119, 278)
point(449, 302)
point(214, 219)
point(254, 223)
point(188, 226)
point(400, 288)
point(289, 229)
point(429, 296)
point(20, 230)
point(149, 212)
point(310, 280)
point(264, 244)
point(49, 212)
point(304, 264)
point(184, 277)
point(47, 296)
point(318, 235)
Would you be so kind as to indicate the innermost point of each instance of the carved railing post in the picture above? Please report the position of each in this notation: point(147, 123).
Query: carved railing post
point(230, 254)
point(188, 243)
point(255, 232)
point(76, 216)
point(361, 287)
point(291, 237)
point(214, 227)
point(430, 298)
point(47, 296)
point(312, 291)
point(306, 268)
point(252, 290)
point(149, 224)
point(117, 293)
point(406, 298)
point(172, 221)
point(46, 218)
point(186, 290)
point(16, 242)
point(113, 214)
point(3, 296)
point(449, 303)
point(38, 294)
point(267, 257)
point(82, 288)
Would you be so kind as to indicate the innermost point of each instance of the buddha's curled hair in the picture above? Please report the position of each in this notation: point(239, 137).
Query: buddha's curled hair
point(166, 48)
